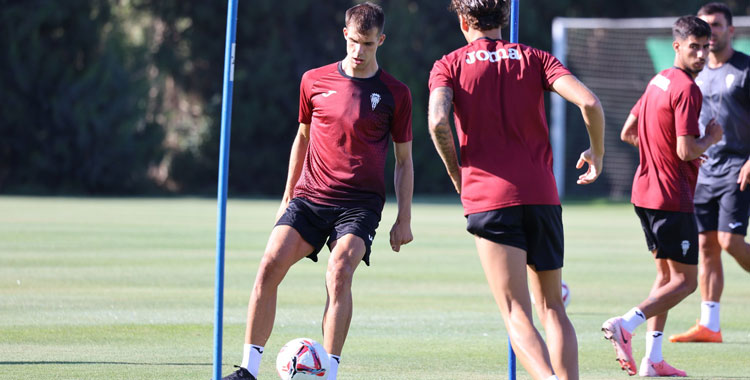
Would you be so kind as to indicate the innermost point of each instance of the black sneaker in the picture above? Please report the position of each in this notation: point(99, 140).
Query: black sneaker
point(240, 374)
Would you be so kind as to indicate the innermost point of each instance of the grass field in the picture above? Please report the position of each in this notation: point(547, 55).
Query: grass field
point(123, 289)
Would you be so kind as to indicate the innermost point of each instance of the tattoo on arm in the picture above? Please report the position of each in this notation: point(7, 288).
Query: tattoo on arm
point(440, 128)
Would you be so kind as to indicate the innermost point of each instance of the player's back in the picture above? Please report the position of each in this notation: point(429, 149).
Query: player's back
point(498, 96)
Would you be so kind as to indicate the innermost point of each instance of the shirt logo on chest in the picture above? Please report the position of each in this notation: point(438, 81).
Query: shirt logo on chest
point(329, 93)
point(374, 100)
point(729, 80)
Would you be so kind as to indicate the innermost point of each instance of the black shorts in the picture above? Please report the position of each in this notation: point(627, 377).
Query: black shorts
point(722, 207)
point(318, 223)
point(673, 235)
point(537, 229)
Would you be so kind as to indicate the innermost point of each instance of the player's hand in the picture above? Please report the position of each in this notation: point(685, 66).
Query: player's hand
point(714, 131)
point(594, 170)
point(400, 235)
point(744, 177)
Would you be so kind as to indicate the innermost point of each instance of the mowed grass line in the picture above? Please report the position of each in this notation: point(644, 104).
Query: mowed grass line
point(123, 289)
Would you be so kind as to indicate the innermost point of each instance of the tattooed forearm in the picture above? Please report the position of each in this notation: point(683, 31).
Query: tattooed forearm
point(440, 130)
point(443, 139)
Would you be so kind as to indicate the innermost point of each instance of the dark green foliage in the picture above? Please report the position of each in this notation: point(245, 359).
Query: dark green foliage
point(73, 101)
point(277, 41)
point(85, 109)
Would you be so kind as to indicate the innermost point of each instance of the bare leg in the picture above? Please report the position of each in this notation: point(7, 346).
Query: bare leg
point(711, 273)
point(682, 282)
point(657, 322)
point(504, 266)
point(736, 246)
point(346, 255)
point(562, 342)
point(285, 247)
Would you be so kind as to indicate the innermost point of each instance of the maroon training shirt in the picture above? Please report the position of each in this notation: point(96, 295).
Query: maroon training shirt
point(498, 98)
point(350, 122)
point(669, 108)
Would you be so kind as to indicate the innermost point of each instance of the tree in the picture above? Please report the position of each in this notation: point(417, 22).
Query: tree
point(73, 101)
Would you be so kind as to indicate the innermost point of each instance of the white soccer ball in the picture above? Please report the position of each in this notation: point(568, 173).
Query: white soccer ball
point(301, 359)
point(565, 294)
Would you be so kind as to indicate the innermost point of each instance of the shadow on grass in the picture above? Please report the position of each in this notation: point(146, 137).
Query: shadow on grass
point(98, 363)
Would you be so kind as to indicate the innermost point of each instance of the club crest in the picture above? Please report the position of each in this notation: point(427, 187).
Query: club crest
point(729, 80)
point(374, 100)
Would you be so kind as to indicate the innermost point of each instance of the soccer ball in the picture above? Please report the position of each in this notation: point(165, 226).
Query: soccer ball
point(565, 294)
point(302, 359)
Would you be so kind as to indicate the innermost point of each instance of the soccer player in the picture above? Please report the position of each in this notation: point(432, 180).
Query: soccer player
point(722, 195)
point(335, 185)
point(663, 124)
point(505, 178)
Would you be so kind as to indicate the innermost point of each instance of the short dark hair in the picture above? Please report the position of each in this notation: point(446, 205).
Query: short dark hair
point(687, 26)
point(365, 16)
point(483, 14)
point(714, 8)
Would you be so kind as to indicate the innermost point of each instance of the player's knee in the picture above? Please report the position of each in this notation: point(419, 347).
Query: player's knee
point(709, 248)
point(688, 285)
point(270, 273)
point(733, 244)
point(711, 259)
point(662, 278)
point(339, 276)
point(552, 312)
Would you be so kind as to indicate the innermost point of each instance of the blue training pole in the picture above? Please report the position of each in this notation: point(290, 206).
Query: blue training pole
point(514, 21)
point(226, 128)
point(513, 39)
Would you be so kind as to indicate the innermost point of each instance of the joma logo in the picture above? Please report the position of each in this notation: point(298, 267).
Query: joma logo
point(492, 56)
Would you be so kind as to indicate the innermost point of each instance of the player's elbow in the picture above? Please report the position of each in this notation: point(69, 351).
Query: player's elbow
point(625, 136)
point(437, 124)
point(687, 148)
point(591, 103)
point(685, 154)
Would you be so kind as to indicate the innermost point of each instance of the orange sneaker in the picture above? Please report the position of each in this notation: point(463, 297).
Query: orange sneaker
point(697, 333)
point(660, 369)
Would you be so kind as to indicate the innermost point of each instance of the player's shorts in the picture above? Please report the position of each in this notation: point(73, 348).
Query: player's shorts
point(673, 235)
point(722, 207)
point(319, 223)
point(536, 229)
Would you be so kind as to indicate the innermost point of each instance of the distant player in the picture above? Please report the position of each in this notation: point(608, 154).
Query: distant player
point(505, 178)
point(722, 196)
point(335, 187)
point(663, 124)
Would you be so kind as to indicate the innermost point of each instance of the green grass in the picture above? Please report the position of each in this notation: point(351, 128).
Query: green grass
point(123, 289)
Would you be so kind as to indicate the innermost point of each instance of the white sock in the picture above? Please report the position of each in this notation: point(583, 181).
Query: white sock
point(333, 366)
point(251, 358)
point(553, 377)
point(633, 319)
point(653, 346)
point(710, 315)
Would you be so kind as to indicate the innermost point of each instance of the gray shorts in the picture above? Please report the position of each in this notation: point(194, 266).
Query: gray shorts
point(722, 206)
